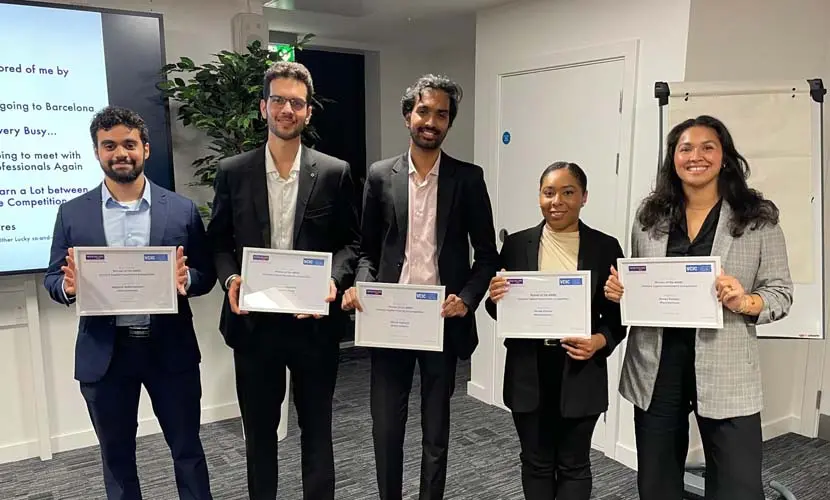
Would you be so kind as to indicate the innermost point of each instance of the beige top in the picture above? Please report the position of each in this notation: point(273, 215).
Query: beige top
point(558, 252)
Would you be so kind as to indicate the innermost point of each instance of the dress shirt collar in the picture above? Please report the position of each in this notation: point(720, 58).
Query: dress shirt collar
point(271, 165)
point(433, 170)
point(108, 200)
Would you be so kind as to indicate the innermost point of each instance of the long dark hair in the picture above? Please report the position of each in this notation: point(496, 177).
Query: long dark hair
point(665, 205)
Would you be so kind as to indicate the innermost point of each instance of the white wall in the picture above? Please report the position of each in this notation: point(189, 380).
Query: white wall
point(18, 423)
point(525, 30)
point(194, 28)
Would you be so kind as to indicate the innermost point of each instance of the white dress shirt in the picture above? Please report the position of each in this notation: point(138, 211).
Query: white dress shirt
point(282, 201)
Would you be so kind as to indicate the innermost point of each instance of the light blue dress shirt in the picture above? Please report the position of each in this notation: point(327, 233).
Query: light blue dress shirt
point(127, 225)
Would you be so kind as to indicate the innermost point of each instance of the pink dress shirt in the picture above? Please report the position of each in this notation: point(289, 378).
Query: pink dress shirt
point(420, 266)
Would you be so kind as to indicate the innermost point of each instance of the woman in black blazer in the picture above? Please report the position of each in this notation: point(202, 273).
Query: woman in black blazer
point(557, 390)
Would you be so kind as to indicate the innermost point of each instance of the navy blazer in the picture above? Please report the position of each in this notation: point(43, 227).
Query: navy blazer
point(174, 221)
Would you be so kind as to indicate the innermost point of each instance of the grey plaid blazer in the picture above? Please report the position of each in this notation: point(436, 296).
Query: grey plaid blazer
point(726, 360)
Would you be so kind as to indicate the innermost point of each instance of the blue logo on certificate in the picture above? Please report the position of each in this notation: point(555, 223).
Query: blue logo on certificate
point(313, 262)
point(94, 256)
point(155, 257)
point(635, 269)
point(260, 257)
point(373, 291)
point(426, 296)
point(699, 268)
point(515, 281)
point(570, 281)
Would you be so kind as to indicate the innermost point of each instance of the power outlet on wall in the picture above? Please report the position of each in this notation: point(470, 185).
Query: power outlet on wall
point(12, 308)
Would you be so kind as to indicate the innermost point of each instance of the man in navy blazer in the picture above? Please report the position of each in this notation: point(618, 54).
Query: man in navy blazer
point(115, 355)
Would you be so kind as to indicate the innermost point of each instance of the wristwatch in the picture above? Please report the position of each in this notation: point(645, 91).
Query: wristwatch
point(230, 278)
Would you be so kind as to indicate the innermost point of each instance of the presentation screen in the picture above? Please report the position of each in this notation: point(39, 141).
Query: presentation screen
point(59, 65)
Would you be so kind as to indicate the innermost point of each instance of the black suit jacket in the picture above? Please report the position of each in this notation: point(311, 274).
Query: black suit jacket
point(584, 383)
point(325, 221)
point(464, 217)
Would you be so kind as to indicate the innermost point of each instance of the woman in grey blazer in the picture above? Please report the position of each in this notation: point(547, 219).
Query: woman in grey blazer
point(702, 206)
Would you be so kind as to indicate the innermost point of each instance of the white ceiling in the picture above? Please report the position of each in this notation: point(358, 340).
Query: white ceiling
point(433, 23)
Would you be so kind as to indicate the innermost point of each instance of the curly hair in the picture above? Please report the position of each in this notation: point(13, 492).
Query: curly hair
point(111, 116)
point(665, 205)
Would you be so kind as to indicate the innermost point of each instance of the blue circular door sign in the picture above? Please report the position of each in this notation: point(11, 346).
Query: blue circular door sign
point(505, 138)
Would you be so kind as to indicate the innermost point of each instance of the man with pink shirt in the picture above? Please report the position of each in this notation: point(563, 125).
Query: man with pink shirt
point(421, 212)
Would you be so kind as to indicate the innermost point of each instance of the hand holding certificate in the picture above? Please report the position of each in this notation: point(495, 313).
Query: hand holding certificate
point(670, 292)
point(123, 280)
point(285, 281)
point(545, 305)
point(400, 316)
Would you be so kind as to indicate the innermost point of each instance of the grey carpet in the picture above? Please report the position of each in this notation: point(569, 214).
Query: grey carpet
point(483, 457)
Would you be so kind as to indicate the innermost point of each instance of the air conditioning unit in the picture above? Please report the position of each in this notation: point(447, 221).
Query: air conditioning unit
point(245, 28)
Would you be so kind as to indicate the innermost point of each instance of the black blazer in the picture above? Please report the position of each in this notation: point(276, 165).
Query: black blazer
point(464, 217)
point(325, 221)
point(584, 383)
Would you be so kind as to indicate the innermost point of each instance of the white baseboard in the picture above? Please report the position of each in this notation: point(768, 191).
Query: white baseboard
point(479, 392)
point(627, 455)
point(780, 426)
point(146, 427)
point(18, 451)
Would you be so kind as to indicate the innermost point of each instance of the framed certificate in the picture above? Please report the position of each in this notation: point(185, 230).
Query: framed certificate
point(541, 305)
point(674, 292)
point(400, 316)
point(285, 281)
point(125, 280)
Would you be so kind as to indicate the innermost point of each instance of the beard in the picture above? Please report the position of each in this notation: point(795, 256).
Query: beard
point(123, 176)
point(425, 143)
point(286, 135)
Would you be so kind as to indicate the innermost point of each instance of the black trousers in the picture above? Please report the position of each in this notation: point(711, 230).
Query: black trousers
point(391, 383)
point(311, 351)
point(112, 403)
point(732, 446)
point(555, 456)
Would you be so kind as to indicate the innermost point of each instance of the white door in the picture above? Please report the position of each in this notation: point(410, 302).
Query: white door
point(570, 113)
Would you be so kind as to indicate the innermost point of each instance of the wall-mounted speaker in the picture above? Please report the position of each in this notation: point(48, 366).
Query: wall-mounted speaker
point(245, 28)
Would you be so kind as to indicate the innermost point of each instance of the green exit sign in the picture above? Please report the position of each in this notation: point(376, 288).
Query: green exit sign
point(285, 51)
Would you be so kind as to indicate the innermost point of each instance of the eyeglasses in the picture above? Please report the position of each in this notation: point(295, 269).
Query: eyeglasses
point(297, 104)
